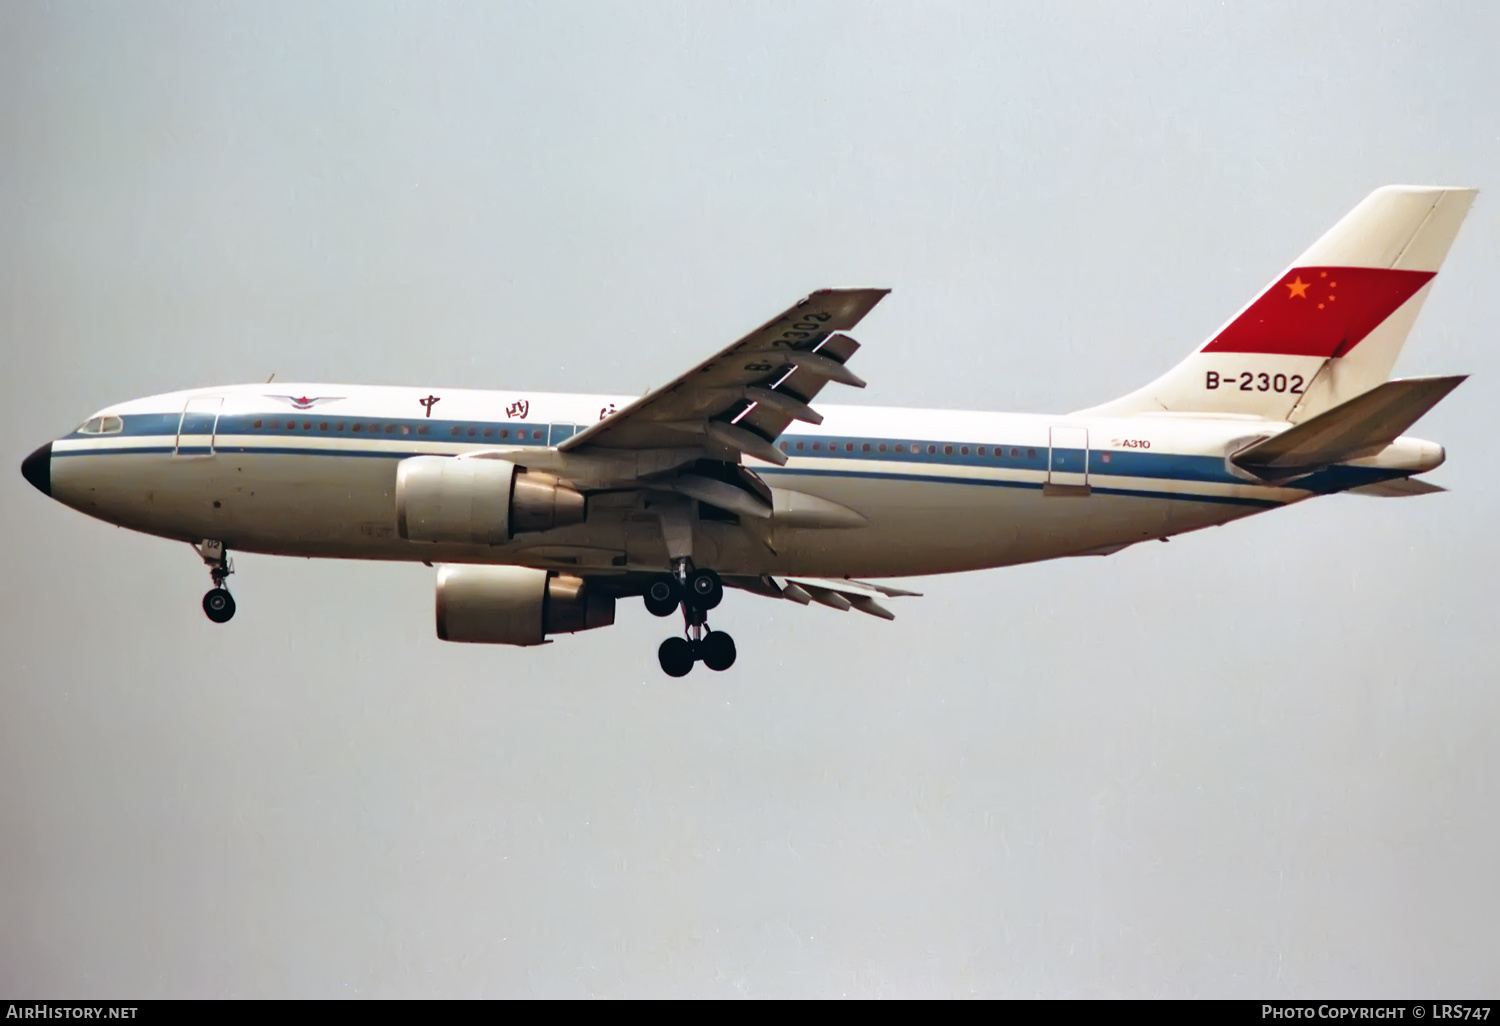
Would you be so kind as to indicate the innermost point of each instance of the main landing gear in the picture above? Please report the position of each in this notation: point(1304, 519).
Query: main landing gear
point(695, 592)
point(218, 604)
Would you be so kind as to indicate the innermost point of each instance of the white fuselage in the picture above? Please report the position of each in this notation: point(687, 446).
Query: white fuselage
point(938, 491)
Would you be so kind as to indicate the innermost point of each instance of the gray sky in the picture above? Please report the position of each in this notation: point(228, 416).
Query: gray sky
point(1258, 761)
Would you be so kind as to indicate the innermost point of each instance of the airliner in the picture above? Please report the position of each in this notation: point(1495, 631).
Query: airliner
point(539, 512)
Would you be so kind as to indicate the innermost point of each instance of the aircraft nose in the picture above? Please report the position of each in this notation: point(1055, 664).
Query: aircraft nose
point(37, 468)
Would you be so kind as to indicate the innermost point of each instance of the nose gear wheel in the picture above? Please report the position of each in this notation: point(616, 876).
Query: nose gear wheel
point(219, 605)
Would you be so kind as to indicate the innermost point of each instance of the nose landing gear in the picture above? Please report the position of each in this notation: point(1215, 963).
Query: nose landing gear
point(696, 592)
point(218, 604)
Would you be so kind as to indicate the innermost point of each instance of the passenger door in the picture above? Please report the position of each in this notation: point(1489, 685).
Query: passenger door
point(196, 428)
point(1068, 461)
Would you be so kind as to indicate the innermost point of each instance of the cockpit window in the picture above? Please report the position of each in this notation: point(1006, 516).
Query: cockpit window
point(102, 426)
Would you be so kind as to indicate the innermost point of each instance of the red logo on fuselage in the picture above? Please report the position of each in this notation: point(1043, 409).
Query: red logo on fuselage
point(302, 402)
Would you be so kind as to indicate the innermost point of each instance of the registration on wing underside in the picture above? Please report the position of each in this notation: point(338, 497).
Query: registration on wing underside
point(749, 391)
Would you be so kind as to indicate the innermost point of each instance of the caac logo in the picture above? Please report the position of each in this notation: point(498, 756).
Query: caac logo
point(303, 402)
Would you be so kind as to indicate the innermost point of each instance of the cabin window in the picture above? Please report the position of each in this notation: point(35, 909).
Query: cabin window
point(536, 435)
point(489, 432)
point(455, 431)
point(900, 447)
point(848, 446)
point(340, 426)
point(881, 447)
point(504, 432)
point(784, 447)
point(422, 430)
point(865, 447)
point(472, 432)
point(390, 429)
point(258, 423)
point(963, 450)
point(817, 446)
point(982, 450)
point(799, 446)
point(1031, 454)
point(947, 450)
point(323, 425)
point(1014, 451)
point(932, 450)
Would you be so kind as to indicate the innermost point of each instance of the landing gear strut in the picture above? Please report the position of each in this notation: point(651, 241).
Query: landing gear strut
point(218, 604)
point(696, 592)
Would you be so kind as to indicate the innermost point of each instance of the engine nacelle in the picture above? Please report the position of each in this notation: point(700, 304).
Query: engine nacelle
point(515, 605)
point(478, 501)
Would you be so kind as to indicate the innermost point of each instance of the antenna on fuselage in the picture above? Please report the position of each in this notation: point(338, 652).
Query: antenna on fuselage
point(271, 378)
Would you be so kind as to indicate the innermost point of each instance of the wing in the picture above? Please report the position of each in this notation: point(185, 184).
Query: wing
point(740, 400)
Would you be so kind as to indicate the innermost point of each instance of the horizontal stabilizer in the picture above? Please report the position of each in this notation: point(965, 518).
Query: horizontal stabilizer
point(1400, 488)
point(1362, 426)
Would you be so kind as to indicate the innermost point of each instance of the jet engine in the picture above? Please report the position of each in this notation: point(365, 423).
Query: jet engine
point(478, 501)
point(515, 605)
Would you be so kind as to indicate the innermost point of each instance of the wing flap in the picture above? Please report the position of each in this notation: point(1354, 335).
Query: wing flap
point(842, 593)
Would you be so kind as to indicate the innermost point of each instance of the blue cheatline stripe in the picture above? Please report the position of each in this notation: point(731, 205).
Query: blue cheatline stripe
point(272, 450)
point(1122, 463)
point(291, 423)
point(134, 450)
point(1229, 500)
point(1126, 463)
point(1341, 479)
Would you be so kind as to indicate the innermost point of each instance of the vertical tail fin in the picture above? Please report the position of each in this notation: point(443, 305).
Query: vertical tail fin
point(1331, 326)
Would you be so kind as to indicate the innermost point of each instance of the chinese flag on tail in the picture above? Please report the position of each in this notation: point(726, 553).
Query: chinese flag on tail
point(1318, 311)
